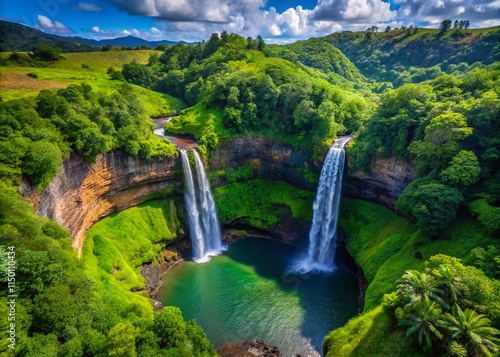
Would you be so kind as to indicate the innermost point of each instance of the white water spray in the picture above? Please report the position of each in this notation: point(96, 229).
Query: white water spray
point(323, 233)
point(202, 215)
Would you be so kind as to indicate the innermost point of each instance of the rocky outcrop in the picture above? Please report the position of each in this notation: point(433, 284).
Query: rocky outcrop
point(83, 193)
point(386, 180)
point(272, 159)
point(249, 349)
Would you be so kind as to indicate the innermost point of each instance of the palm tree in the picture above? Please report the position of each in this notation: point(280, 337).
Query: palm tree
point(415, 286)
point(424, 321)
point(473, 331)
point(447, 279)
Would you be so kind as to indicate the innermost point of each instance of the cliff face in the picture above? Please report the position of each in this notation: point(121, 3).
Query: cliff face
point(386, 180)
point(83, 193)
point(273, 159)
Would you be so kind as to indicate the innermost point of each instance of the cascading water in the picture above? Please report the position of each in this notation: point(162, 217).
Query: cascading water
point(323, 233)
point(203, 223)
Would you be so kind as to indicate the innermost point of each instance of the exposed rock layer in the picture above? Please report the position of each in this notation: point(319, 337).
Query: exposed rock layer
point(83, 193)
point(273, 159)
point(386, 180)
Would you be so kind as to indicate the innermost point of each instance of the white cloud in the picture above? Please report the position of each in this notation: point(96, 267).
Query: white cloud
point(88, 7)
point(194, 20)
point(47, 25)
point(481, 13)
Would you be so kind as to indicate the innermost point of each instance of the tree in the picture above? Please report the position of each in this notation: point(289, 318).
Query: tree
point(42, 163)
point(388, 28)
point(46, 52)
point(170, 327)
point(432, 205)
point(445, 25)
point(466, 24)
point(260, 43)
point(424, 321)
point(441, 140)
point(455, 24)
point(415, 286)
point(448, 281)
point(463, 170)
point(473, 331)
point(212, 45)
point(121, 339)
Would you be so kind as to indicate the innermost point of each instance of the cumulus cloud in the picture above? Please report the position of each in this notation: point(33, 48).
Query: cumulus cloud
point(85, 6)
point(194, 20)
point(47, 25)
point(480, 13)
point(353, 11)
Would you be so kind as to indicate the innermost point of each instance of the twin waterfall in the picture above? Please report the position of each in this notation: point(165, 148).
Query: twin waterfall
point(202, 215)
point(323, 233)
point(204, 226)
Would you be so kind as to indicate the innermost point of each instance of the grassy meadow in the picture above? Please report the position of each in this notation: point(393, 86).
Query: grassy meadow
point(85, 67)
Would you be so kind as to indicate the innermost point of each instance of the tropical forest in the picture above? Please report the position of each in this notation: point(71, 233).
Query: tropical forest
point(238, 194)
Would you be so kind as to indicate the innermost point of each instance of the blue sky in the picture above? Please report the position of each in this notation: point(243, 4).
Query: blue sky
point(275, 20)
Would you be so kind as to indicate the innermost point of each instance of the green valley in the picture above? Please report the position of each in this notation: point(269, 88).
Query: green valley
point(262, 116)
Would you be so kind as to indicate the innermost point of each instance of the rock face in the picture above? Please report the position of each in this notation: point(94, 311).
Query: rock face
point(386, 180)
point(83, 193)
point(253, 348)
point(273, 159)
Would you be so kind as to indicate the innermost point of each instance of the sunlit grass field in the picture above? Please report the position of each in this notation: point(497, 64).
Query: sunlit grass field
point(86, 67)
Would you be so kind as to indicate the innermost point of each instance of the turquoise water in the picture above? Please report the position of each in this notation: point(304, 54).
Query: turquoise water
point(246, 293)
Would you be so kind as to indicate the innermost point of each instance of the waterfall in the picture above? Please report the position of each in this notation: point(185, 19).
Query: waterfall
point(323, 233)
point(202, 216)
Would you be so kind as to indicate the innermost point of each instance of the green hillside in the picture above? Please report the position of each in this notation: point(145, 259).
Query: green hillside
point(413, 55)
point(26, 77)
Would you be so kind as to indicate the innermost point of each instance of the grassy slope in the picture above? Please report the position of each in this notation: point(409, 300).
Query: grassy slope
point(118, 245)
point(384, 245)
point(368, 335)
point(15, 83)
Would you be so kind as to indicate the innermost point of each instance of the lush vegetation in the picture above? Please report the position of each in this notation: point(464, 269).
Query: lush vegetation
point(411, 54)
point(72, 307)
point(236, 89)
point(262, 204)
point(448, 128)
point(386, 246)
point(38, 133)
point(305, 94)
point(22, 75)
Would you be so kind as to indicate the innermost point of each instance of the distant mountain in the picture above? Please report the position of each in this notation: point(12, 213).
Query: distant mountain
point(17, 37)
point(129, 41)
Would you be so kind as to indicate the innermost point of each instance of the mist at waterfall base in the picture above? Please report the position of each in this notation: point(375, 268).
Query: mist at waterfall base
point(204, 229)
point(245, 293)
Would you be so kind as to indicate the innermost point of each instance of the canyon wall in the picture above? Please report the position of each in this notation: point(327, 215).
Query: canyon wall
point(82, 193)
point(385, 181)
point(273, 159)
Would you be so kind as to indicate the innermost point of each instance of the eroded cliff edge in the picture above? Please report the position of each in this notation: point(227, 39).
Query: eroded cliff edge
point(383, 183)
point(82, 193)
